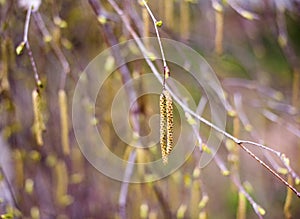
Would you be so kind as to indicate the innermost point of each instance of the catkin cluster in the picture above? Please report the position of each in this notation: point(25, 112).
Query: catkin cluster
point(166, 125)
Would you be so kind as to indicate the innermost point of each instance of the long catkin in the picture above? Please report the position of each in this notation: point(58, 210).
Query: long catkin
point(38, 125)
point(170, 122)
point(62, 98)
point(163, 127)
point(166, 125)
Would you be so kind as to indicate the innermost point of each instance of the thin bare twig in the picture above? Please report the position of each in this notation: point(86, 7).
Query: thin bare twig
point(157, 33)
point(258, 210)
point(26, 43)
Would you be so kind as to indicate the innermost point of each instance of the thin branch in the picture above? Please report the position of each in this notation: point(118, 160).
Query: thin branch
point(156, 23)
point(36, 75)
point(258, 210)
point(273, 118)
point(26, 27)
point(26, 43)
point(269, 169)
point(124, 187)
point(157, 33)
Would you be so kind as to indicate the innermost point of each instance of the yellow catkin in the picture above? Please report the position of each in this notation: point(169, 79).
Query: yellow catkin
point(38, 125)
point(288, 200)
point(169, 16)
point(194, 199)
point(146, 21)
point(203, 215)
point(241, 211)
point(77, 160)
point(141, 157)
point(4, 84)
point(170, 122)
point(63, 109)
point(19, 168)
point(61, 177)
point(35, 212)
point(219, 16)
point(184, 19)
point(163, 127)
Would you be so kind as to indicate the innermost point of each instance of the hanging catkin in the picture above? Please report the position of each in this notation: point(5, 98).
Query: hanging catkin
point(38, 124)
point(163, 127)
point(62, 98)
point(166, 125)
point(169, 106)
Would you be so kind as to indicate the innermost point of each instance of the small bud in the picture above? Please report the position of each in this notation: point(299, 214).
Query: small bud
point(20, 48)
point(159, 23)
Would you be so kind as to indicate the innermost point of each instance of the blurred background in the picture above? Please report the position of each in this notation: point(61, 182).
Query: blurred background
point(254, 48)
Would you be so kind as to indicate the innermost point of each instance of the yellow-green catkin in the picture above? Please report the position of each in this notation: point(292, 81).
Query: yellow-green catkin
point(219, 17)
point(62, 180)
point(184, 19)
point(63, 109)
point(169, 15)
point(163, 127)
point(141, 157)
point(288, 200)
point(181, 211)
point(146, 30)
point(241, 211)
point(195, 199)
point(38, 124)
point(4, 84)
point(203, 215)
point(77, 161)
point(144, 211)
point(35, 212)
point(166, 124)
point(19, 168)
point(170, 122)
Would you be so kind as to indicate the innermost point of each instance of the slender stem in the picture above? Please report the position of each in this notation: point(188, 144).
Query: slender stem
point(36, 75)
point(269, 169)
point(26, 27)
point(157, 33)
point(25, 41)
point(255, 206)
point(166, 69)
point(125, 184)
point(277, 153)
